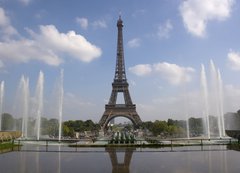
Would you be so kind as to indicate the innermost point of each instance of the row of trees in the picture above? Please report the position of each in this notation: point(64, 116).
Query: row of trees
point(166, 128)
point(49, 127)
point(174, 128)
point(169, 128)
point(70, 127)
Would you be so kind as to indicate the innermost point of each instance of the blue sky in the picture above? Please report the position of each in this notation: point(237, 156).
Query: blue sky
point(165, 43)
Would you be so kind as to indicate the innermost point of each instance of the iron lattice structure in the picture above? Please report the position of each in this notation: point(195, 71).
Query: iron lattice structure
point(120, 85)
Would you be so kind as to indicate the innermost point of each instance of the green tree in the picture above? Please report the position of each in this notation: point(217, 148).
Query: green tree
point(147, 125)
point(159, 127)
point(195, 126)
point(44, 126)
point(53, 127)
point(68, 131)
point(171, 122)
point(79, 126)
point(8, 122)
point(89, 125)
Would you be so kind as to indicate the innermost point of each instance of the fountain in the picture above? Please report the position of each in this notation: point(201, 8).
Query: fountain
point(213, 99)
point(24, 104)
point(31, 126)
point(221, 103)
point(39, 102)
point(186, 111)
point(205, 100)
point(60, 104)
point(214, 94)
point(217, 98)
point(1, 102)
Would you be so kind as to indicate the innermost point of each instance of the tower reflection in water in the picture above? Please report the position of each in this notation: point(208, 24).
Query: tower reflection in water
point(113, 155)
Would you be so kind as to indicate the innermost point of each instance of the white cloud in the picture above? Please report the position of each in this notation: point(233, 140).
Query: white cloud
point(25, 2)
point(99, 24)
point(187, 102)
point(48, 46)
point(141, 69)
point(83, 22)
point(232, 91)
point(3, 18)
point(164, 107)
point(1, 64)
point(136, 42)
point(173, 73)
point(164, 29)
point(234, 60)
point(5, 25)
point(70, 43)
point(197, 13)
point(22, 51)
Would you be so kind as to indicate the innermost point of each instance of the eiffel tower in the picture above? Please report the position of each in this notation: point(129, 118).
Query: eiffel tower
point(120, 85)
point(120, 167)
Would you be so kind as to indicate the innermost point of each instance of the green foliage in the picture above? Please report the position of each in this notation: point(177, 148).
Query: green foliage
point(147, 125)
point(49, 126)
point(6, 145)
point(53, 127)
point(195, 126)
point(171, 122)
point(68, 131)
point(169, 128)
point(79, 126)
point(44, 126)
point(7, 121)
point(178, 123)
point(159, 127)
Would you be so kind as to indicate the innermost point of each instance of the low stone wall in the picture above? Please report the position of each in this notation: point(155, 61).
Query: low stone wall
point(8, 135)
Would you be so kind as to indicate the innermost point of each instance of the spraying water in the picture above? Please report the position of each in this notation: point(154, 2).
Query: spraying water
point(205, 100)
point(186, 111)
point(60, 104)
point(217, 98)
point(39, 99)
point(23, 103)
point(214, 94)
point(220, 84)
point(1, 102)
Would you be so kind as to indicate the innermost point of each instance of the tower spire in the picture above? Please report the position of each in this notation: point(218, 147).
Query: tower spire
point(120, 14)
point(120, 73)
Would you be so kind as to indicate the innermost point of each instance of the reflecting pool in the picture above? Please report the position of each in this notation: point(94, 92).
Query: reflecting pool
point(62, 159)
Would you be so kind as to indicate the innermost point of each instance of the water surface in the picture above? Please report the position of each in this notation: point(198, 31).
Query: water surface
point(62, 159)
